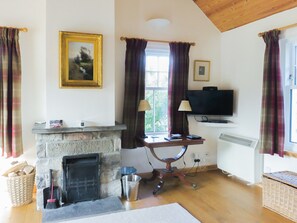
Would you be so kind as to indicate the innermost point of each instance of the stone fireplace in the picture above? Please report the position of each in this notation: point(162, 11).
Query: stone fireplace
point(53, 144)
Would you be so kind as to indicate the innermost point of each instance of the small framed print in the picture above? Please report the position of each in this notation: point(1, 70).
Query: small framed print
point(201, 70)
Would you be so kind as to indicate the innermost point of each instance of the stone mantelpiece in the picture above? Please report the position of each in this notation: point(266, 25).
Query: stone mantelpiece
point(52, 144)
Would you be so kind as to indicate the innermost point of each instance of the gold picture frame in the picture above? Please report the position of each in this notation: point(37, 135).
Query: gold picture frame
point(201, 70)
point(80, 60)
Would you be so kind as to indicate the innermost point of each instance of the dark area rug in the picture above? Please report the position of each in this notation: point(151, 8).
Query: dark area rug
point(83, 209)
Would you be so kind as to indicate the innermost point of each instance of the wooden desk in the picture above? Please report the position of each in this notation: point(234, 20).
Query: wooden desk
point(169, 171)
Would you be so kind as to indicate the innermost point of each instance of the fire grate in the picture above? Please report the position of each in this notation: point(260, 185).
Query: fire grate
point(81, 178)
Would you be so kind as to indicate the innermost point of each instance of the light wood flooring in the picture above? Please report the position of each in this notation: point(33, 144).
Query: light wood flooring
point(218, 199)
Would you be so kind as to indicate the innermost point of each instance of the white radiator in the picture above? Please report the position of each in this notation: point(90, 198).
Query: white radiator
point(239, 156)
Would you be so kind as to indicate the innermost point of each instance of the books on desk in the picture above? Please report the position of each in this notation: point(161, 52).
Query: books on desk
point(193, 136)
point(174, 137)
point(178, 137)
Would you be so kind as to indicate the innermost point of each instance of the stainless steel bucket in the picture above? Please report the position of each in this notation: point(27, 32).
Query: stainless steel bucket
point(131, 186)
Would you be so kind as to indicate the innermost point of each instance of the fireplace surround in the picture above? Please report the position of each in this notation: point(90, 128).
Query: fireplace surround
point(53, 144)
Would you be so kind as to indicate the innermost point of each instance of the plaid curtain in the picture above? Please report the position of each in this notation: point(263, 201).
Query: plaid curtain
point(272, 117)
point(10, 93)
point(178, 85)
point(134, 91)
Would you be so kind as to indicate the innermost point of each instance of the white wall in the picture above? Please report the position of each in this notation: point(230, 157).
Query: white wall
point(242, 69)
point(42, 99)
point(72, 105)
point(188, 24)
point(30, 14)
point(236, 62)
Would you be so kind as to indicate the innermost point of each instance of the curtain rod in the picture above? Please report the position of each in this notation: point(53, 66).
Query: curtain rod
point(281, 28)
point(158, 41)
point(20, 29)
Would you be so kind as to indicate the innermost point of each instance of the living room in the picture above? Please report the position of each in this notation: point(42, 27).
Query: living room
point(236, 58)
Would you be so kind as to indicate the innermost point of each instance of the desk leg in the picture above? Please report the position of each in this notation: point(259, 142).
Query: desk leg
point(181, 177)
point(158, 187)
point(155, 174)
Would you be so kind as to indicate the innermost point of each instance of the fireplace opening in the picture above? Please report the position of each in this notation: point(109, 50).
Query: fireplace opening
point(81, 178)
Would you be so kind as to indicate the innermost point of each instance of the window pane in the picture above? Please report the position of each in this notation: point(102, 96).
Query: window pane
point(164, 64)
point(151, 79)
point(161, 101)
point(149, 119)
point(294, 116)
point(151, 63)
point(163, 79)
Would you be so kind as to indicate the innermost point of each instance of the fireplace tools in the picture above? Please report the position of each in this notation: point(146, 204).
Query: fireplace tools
point(51, 202)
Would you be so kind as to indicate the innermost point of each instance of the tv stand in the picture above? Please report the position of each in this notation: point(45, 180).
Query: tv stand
point(217, 121)
point(225, 124)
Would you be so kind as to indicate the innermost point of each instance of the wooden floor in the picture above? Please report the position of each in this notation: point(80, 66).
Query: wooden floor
point(218, 199)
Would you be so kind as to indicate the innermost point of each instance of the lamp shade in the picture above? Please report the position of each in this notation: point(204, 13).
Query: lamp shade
point(184, 106)
point(144, 106)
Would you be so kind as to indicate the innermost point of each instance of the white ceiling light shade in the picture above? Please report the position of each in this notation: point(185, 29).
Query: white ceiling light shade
point(158, 22)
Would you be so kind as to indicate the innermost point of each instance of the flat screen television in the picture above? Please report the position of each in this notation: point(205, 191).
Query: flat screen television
point(211, 102)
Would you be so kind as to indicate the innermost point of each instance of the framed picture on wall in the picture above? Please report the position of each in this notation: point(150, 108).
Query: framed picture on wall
point(80, 60)
point(201, 70)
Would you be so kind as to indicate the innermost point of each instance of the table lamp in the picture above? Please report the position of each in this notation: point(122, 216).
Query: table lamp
point(144, 106)
point(184, 106)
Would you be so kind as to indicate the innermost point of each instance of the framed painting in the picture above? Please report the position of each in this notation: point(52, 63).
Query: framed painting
point(80, 60)
point(201, 70)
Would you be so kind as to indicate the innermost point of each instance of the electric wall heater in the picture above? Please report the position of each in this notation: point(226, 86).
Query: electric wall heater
point(239, 156)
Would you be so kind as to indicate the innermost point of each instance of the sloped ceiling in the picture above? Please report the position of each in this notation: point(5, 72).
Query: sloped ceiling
point(230, 14)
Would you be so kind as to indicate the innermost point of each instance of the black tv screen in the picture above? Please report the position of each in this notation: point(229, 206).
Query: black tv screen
point(212, 102)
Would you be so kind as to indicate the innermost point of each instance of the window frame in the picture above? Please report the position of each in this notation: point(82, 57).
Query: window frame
point(288, 55)
point(156, 49)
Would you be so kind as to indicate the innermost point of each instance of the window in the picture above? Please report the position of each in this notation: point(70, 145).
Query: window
point(289, 66)
point(156, 88)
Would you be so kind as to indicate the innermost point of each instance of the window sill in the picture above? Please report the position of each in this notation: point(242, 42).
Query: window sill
point(291, 154)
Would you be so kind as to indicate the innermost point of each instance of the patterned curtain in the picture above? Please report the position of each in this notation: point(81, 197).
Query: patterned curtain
point(272, 117)
point(10, 93)
point(178, 85)
point(134, 91)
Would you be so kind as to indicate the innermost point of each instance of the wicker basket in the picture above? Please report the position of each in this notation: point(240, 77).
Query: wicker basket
point(280, 193)
point(20, 189)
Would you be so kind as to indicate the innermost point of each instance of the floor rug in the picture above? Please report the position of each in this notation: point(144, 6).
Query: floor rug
point(170, 213)
point(82, 209)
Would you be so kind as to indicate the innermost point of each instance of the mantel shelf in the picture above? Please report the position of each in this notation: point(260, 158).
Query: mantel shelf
point(218, 125)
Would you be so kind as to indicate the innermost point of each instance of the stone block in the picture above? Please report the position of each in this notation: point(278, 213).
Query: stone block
point(41, 181)
point(48, 137)
point(113, 134)
point(111, 159)
point(117, 144)
point(108, 175)
point(39, 199)
point(78, 136)
point(66, 148)
point(111, 189)
point(43, 165)
point(41, 150)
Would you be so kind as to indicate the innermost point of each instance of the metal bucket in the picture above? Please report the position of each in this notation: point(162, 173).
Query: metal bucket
point(130, 187)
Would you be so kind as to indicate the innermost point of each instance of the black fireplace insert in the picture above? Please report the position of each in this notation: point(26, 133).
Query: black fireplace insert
point(81, 180)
